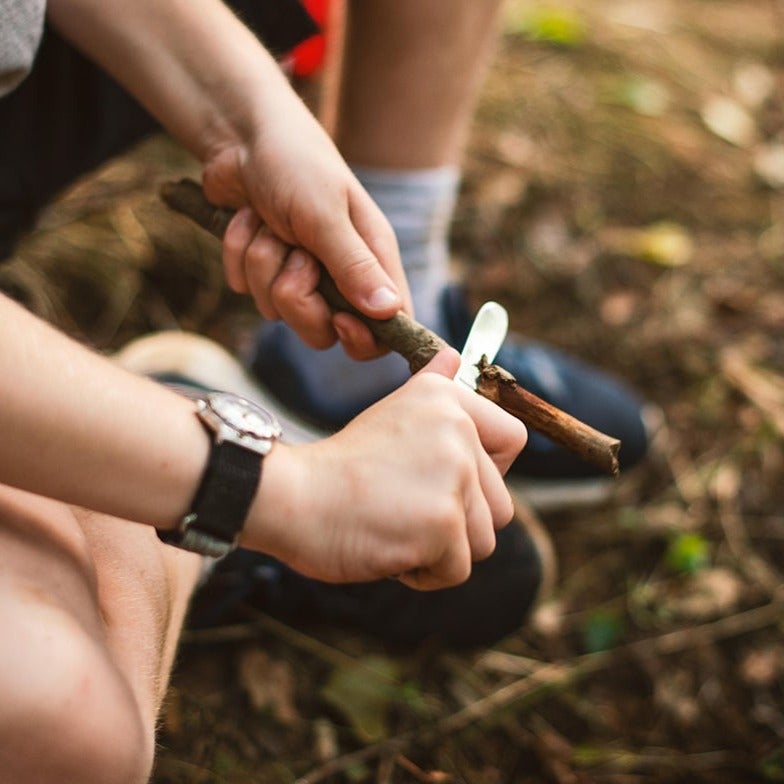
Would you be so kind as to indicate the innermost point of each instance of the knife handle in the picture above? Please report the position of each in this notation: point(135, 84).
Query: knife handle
point(402, 334)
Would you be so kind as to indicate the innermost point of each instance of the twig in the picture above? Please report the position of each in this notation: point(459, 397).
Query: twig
point(501, 387)
point(419, 345)
point(763, 388)
point(549, 676)
point(260, 622)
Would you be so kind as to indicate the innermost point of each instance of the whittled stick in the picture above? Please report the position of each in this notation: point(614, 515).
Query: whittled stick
point(418, 345)
point(501, 387)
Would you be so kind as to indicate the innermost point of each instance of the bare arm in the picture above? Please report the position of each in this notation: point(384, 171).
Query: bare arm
point(414, 483)
point(208, 80)
point(76, 428)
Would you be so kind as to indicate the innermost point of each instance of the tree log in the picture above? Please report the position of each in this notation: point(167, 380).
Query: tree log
point(418, 345)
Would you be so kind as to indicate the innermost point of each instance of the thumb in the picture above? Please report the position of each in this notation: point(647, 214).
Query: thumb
point(357, 272)
point(445, 363)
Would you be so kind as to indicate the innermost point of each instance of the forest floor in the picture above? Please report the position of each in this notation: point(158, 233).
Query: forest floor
point(624, 197)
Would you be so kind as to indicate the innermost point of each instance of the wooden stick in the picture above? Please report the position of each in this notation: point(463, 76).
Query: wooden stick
point(500, 386)
point(419, 345)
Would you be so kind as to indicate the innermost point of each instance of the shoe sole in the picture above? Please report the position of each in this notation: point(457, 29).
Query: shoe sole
point(559, 495)
point(206, 363)
point(550, 495)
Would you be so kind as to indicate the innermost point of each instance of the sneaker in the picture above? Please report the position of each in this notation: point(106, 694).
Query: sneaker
point(186, 359)
point(547, 475)
point(494, 602)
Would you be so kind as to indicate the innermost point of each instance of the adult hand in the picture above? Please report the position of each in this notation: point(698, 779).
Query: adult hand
point(299, 204)
point(413, 487)
point(227, 100)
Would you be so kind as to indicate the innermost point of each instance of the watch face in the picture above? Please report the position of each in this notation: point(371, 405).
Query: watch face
point(243, 415)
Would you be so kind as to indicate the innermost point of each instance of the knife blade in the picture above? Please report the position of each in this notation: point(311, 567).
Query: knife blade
point(485, 337)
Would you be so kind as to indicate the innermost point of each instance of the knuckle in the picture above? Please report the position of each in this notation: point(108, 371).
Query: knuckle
point(484, 549)
point(446, 518)
point(264, 249)
point(233, 244)
point(357, 263)
point(460, 572)
point(503, 511)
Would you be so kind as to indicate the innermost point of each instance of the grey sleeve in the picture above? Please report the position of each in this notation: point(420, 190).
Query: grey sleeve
point(21, 25)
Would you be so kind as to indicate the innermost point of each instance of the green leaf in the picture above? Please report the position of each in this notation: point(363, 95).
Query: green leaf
point(363, 692)
point(688, 553)
point(560, 26)
point(602, 630)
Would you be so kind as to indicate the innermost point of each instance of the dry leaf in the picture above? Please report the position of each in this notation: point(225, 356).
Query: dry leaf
point(753, 83)
point(729, 121)
point(768, 164)
point(363, 692)
point(709, 593)
point(269, 684)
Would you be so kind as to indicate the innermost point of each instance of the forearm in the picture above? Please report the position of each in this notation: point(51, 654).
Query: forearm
point(77, 428)
point(191, 63)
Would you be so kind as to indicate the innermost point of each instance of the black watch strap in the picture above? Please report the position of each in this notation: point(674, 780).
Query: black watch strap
point(220, 506)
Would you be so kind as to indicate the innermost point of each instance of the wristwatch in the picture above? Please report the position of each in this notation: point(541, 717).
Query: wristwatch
point(242, 433)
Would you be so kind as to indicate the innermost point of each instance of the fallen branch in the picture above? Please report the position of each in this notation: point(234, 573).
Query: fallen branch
point(418, 345)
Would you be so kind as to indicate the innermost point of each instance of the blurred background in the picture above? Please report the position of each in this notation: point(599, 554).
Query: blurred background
point(624, 198)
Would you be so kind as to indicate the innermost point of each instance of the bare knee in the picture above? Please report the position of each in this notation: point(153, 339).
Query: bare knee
point(67, 714)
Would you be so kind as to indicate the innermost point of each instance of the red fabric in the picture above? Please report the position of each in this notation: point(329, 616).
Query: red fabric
point(309, 55)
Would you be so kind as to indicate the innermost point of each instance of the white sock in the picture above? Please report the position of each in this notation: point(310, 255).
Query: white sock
point(419, 205)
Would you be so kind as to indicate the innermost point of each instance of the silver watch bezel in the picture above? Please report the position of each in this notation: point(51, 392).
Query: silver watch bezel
point(218, 410)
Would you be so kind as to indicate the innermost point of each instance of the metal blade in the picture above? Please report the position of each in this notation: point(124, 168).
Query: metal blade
point(484, 339)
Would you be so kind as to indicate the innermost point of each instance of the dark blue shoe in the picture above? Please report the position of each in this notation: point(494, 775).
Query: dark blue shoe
point(548, 475)
point(493, 603)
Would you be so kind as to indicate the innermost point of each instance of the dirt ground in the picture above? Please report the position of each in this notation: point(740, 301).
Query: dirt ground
point(624, 197)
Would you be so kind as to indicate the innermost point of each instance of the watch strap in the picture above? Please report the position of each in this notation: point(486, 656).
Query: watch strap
point(222, 501)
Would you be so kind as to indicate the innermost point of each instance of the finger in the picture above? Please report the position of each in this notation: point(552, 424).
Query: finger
point(355, 269)
point(453, 568)
point(239, 234)
point(373, 226)
point(499, 508)
point(488, 503)
point(263, 261)
point(480, 528)
point(357, 340)
point(502, 435)
point(445, 363)
point(299, 303)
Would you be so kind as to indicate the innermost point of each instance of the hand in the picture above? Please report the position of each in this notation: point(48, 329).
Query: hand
point(413, 487)
point(301, 203)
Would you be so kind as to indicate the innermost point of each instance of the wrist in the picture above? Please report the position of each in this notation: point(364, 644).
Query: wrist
point(280, 506)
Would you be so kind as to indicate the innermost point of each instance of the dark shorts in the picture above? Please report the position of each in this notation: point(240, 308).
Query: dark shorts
point(68, 116)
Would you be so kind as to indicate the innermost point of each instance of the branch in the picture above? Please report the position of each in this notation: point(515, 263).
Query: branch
point(418, 345)
point(500, 386)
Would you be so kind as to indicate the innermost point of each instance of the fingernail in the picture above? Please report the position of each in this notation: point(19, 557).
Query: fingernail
point(296, 261)
point(382, 298)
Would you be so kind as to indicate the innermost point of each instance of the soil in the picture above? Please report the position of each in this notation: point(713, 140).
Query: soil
point(624, 198)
